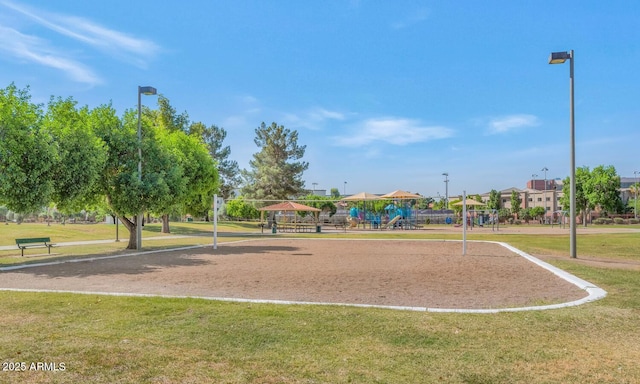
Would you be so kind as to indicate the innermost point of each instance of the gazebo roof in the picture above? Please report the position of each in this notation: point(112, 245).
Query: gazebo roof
point(469, 202)
point(362, 196)
point(289, 206)
point(400, 194)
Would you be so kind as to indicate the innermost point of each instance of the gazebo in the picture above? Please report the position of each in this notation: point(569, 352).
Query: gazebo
point(290, 206)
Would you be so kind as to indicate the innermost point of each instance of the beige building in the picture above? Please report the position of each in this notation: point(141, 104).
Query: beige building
point(536, 194)
point(547, 195)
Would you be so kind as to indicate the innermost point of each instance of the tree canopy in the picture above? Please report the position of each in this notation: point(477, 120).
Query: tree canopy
point(597, 188)
point(494, 200)
point(81, 155)
point(228, 170)
point(27, 156)
point(275, 172)
point(78, 157)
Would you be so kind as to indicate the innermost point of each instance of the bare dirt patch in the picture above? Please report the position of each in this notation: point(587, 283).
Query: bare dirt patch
point(431, 274)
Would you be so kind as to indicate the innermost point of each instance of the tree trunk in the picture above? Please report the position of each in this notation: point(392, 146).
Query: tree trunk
point(131, 227)
point(165, 223)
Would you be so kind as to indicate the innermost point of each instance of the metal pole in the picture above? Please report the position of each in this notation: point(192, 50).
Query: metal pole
point(572, 242)
point(544, 194)
point(464, 223)
point(139, 217)
point(635, 208)
point(215, 221)
point(446, 190)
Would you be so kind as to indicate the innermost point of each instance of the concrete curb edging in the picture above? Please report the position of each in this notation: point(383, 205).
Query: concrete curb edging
point(593, 292)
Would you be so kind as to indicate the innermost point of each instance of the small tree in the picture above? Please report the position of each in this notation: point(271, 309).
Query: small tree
point(494, 200)
point(240, 209)
point(516, 202)
point(321, 202)
point(537, 212)
point(526, 215)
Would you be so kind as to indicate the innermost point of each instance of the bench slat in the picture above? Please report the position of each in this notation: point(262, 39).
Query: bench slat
point(34, 242)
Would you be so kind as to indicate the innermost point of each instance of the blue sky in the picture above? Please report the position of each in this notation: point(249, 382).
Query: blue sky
point(385, 95)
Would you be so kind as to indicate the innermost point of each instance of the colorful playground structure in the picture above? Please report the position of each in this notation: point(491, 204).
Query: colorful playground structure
point(394, 217)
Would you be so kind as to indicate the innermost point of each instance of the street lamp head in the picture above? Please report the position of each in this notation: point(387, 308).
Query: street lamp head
point(445, 174)
point(545, 169)
point(147, 90)
point(559, 57)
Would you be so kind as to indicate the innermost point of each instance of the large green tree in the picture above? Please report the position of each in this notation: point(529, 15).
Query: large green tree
point(81, 155)
point(27, 153)
point(228, 170)
point(275, 171)
point(603, 188)
point(167, 117)
point(597, 188)
point(125, 194)
point(191, 179)
point(200, 174)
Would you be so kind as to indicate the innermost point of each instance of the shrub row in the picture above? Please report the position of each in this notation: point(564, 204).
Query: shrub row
point(615, 220)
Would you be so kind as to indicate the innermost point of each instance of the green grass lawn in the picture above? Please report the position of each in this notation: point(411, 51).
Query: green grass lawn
point(107, 339)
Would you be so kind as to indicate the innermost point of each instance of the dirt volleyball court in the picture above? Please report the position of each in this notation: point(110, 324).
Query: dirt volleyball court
point(408, 273)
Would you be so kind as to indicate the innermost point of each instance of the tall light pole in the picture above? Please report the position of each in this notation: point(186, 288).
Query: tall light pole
point(344, 191)
point(559, 58)
point(141, 91)
point(544, 195)
point(635, 207)
point(446, 190)
point(533, 182)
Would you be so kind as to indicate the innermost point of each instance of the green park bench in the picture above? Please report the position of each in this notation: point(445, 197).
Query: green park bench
point(34, 242)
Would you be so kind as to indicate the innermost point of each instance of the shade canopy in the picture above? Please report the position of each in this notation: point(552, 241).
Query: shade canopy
point(289, 206)
point(469, 202)
point(362, 196)
point(400, 194)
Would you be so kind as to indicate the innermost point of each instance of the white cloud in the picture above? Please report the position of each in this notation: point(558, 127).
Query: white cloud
point(313, 119)
point(36, 50)
point(323, 114)
point(118, 44)
point(510, 123)
point(395, 131)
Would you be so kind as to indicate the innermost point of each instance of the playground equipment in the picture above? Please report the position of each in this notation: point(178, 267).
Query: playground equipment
point(562, 218)
point(364, 217)
point(392, 222)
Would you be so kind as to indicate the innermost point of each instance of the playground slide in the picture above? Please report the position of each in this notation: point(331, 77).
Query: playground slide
point(393, 221)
